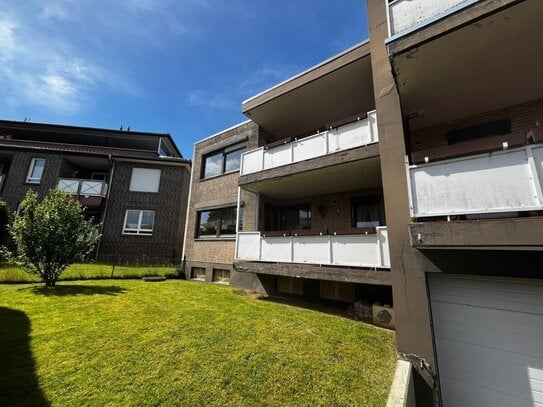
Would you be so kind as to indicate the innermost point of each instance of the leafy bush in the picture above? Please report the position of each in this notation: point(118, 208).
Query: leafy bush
point(51, 235)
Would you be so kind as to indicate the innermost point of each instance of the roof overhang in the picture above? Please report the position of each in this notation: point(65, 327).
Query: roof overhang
point(340, 87)
point(350, 176)
point(486, 65)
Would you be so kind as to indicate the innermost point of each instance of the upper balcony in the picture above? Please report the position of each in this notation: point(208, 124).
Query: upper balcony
point(89, 192)
point(413, 22)
point(361, 132)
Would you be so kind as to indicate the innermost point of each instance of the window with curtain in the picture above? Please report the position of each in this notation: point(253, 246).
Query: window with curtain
point(366, 212)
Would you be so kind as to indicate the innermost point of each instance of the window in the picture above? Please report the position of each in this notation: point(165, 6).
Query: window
point(35, 171)
point(221, 276)
point(336, 290)
point(216, 222)
point(138, 222)
point(366, 212)
point(198, 273)
point(145, 180)
point(294, 217)
point(495, 128)
point(222, 161)
point(290, 285)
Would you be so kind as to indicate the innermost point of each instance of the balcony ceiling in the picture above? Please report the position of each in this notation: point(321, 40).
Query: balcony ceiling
point(357, 175)
point(339, 88)
point(91, 163)
point(489, 64)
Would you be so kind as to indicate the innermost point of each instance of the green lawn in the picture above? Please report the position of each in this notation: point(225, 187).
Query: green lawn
point(87, 271)
point(122, 342)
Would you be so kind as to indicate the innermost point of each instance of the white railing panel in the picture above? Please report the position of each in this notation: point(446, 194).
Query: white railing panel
point(357, 134)
point(343, 250)
point(355, 250)
point(68, 186)
point(278, 156)
point(277, 249)
point(310, 147)
point(311, 249)
point(406, 14)
point(92, 188)
point(497, 182)
point(252, 161)
point(372, 119)
point(538, 159)
point(382, 234)
point(248, 246)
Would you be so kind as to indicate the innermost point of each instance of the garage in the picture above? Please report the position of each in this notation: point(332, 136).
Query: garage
point(488, 336)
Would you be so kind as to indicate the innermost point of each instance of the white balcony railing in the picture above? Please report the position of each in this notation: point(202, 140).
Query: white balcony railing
point(369, 250)
point(407, 15)
point(359, 133)
point(502, 181)
point(82, 187)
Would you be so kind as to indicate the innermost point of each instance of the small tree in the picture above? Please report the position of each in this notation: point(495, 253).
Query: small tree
point(51, 235)
point(4, 221)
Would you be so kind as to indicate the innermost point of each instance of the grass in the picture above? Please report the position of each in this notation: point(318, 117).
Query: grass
point(177, 342)
point(86, 271)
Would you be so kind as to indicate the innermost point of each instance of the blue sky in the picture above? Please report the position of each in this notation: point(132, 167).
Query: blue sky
point(181, 67)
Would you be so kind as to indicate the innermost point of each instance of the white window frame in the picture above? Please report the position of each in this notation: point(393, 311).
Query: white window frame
point(138, 230)
point(30, 180)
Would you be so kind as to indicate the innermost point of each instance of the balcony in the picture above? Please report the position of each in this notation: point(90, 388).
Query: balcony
point(356, 134)
point(360, 249)
point(405, 16)
point(497, 182)
point(89, 192)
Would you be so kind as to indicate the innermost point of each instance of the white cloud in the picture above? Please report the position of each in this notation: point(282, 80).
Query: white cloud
point(42, 71)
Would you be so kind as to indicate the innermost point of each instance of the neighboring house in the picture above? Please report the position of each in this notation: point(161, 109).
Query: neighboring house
point(135, 183)
point(459, 99)
point(307, 186)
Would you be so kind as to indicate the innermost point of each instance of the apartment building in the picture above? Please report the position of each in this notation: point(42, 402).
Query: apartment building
point(136, 184)
point(459, 101)
point(212, 217)
point(304, 195)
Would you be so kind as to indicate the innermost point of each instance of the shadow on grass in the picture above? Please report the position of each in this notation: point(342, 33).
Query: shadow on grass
point(18, 380)
point(337, 309)
point(67, 290)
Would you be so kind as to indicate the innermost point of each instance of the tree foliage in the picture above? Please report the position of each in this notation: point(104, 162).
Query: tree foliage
point(4, 221)
point(51, 235)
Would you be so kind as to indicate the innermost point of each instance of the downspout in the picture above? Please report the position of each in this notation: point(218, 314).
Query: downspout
point(112, 162)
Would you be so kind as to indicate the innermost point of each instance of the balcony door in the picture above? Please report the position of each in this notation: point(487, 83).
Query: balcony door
point(366, 212)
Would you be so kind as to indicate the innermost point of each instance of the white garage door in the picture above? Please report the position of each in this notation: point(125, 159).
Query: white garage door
point(489, 340)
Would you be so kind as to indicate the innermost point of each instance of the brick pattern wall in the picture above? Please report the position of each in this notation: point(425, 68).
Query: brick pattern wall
point(217, 191)
point(523, 118)
point(169, 205)
point(15, 186)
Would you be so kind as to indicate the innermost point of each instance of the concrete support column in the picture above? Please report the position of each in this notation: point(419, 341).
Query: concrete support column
point(412, 314)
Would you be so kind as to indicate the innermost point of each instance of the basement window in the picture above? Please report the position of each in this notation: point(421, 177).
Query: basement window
point(336, 290)
point(290, 285)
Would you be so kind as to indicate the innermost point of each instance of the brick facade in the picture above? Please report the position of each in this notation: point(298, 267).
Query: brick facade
point(169, 205)
point(76, 161)
point(214, 192)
